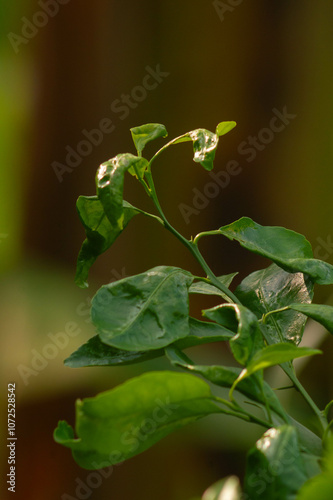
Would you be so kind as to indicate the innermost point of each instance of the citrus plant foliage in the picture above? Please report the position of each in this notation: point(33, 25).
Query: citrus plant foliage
point(146, 316)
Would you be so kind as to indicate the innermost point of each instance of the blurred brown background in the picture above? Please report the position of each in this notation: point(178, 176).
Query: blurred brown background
point(65, 68)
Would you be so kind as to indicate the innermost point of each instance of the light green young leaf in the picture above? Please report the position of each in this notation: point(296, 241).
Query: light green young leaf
point(238, 318)
point(323, 314)
point(125, 421)
point(224, 127)
point(145, 133)
point(271, 355)
point(99, 231)
point(273, 288)
point(275, 468)
point(204, 147)
point(143, 312)
point(288, 249)
point(110, 186)
point(225, 489)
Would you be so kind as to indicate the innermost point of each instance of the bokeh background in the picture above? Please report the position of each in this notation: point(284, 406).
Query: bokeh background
point(65, 67)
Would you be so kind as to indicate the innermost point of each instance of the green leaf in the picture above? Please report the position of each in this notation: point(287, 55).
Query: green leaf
point(225, 489)
point(125, 421)
point(248, 339)
point(110, 185)
point(224, 127)
point(207, 289)
point(320, 487)
point(145, 133)
point(96, 353)
point(143, 312)
point(323, 314)
point(275, 469)
point(223, 376)
point(273, 288)
point(139, 168)
point(275, 354)
point(99, 231)
point(204, 147)
point(287, 249)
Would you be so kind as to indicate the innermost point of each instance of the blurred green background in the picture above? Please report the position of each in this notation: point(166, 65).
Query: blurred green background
point(65, 68)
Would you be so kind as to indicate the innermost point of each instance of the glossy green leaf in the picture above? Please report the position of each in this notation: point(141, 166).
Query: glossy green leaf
point(125, 421)
point(145, 133)
point(207, 289)
point(273, 288)
point(110, 185)
point(143, 312)
point(99, 231)
point(275, 468)
point(225, 489)
point(96, 353)
point(288, 249)
point(223, 376)
point(248, 338)
point(204, 147)
point(275, 354)
point(323, 314)
point(225, 127)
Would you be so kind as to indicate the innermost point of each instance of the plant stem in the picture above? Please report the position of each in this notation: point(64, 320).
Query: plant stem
point(205, 233)
point(239, 412)
point(190, 245)
point(265, 316)
point(299, 387)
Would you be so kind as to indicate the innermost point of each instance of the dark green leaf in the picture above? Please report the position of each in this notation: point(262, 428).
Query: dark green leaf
point(96, 353)
point(225, 489)
point(99, 231)
point(125, 421)
point(224, 127)
point(287, 249)
point(275, 468)
point(248, 338)
point(143, 312)
point(110, 185)
point(145, 133)
point(224, 376)
point(323, 314)
point(273, 288)
point(208, 289)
